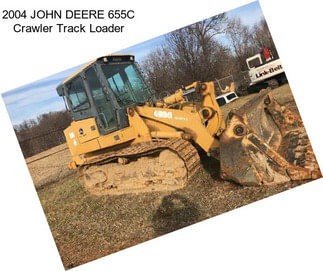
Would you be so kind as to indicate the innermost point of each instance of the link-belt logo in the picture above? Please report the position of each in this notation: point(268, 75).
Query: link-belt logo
point(271, 70)
point(163, 114)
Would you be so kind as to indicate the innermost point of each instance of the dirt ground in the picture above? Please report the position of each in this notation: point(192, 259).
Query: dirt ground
point(49, 166)
point(88, 227)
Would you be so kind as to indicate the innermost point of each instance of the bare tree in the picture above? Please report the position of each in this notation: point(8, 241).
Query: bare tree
point(262, 37)
point(189, 54)
point(35, 136)
point(159, 68)
point(241, 41)
point(213, 48)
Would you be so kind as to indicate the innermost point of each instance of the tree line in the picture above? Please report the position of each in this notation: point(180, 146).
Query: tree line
point(204, 51)
point(44, 132)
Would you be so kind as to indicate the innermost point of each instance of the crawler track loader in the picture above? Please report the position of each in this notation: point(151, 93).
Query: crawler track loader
point(124, 140)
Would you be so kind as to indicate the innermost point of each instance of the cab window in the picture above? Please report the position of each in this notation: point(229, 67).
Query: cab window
point(77, 95)
point(253, 63)
point(127, 83)
point(231, 96)
point(106, 115)
point(221, 101)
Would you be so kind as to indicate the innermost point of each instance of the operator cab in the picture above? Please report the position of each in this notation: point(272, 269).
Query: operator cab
point(259, 59)
point(103, 89)
point(254, 61)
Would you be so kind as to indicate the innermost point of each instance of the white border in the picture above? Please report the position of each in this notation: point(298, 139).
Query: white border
point(283, 232)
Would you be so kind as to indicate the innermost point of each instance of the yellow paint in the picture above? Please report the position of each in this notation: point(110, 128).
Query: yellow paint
point(163, 134)
point(175, 98)
point(188, 122)
point(147, 122)
point(216, 124)
point(142, 132)
point(117, 137)
point(79, 143)
point(78, 71)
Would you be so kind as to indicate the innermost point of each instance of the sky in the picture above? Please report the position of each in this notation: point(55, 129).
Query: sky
point(22, 105)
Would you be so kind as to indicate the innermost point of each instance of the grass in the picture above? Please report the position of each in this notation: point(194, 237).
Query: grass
point(88, 227)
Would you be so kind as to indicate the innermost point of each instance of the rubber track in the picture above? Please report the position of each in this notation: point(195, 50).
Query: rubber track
point(184, 149)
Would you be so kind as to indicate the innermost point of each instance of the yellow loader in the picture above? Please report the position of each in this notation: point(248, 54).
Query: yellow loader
point(124, 140)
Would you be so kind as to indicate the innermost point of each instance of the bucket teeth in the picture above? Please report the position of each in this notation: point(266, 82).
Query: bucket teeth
point(274, 147)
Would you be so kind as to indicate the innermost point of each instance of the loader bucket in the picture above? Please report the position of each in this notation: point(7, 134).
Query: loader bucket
point(264, 143)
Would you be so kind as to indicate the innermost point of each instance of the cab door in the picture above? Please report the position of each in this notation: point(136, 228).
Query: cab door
point(78, 100)
point(106, 114)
